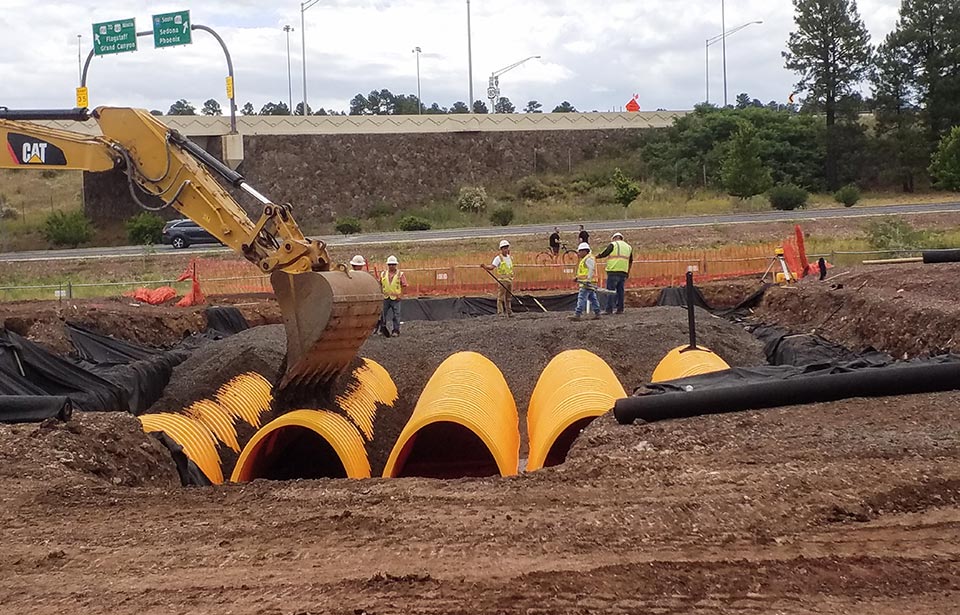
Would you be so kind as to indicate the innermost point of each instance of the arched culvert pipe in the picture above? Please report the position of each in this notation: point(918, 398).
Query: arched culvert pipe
point(372, 389)
point(246, 397)
point(198, 442)
point(576, 387)
point(466, 403)
point(684, 361)
point(304, 444)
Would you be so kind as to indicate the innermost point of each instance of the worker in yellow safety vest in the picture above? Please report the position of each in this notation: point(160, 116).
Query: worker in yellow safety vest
point(587, 281)
point(392, 283)
point(619, 257)
point(503, 267)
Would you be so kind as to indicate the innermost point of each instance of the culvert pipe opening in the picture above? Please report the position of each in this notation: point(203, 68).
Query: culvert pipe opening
point(445, 450)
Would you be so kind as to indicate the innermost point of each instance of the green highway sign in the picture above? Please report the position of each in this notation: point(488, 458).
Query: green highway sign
point(114, 36)
point(171, 29)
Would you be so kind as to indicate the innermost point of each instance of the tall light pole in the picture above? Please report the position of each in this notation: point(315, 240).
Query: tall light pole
point(79, 64)
point(469, 60)
point(417, 51)
point(288, 30)
point(723, 37)
point(303, 49)
point(493, 85)
point(713, 41)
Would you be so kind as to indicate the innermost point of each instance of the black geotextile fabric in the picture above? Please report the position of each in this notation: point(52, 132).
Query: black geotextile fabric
point(226, 320)
point(782, 347)
point(190, 473)
point(95, 348)
point(677, 295)
point(468, 307)
point(34, 408)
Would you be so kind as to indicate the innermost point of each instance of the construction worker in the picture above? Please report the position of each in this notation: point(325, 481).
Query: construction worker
point(619, 257)
point(503, 266)
point(587, 280)
point(392, 282)
point(357, 263)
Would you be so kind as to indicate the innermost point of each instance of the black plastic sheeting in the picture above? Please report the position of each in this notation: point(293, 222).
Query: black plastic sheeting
point(740, 389)
point(782, 347)
point(107, 375)
point(677, 295)
point(467, 307)
point(190, 473)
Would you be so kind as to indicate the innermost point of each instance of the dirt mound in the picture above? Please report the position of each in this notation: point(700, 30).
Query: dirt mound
point(105, 446)
point(258, 349)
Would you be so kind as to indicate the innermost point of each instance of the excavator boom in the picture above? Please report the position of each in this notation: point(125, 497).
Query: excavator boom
point(328, 311)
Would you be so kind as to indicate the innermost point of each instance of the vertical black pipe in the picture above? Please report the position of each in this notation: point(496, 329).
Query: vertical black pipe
point(690, 316)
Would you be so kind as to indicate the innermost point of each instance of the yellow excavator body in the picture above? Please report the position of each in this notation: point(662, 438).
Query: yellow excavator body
point(328, 310)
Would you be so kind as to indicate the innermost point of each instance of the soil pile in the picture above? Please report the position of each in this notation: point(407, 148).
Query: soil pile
point(104, 446)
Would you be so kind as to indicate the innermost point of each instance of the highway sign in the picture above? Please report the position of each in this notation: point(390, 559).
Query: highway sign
point(171, 29)
point(82, 99)
point(114, 36)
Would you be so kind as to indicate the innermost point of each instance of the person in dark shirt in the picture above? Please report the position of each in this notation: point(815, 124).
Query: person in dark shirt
point(584, 235)
point(555, 241)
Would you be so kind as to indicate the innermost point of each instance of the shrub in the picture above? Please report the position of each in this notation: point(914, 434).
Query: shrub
point(413, 223)
point(787, 197)
point(8, 213)
point(581, 186)
point(532, 188)
point(945, 164)
point(347, 225)
point(849, 195)
point(67, 228)
point(626, 190)
point(502, 216)
point(893, 234)
point(145, 229)
point(472, 199)
point(743, 173)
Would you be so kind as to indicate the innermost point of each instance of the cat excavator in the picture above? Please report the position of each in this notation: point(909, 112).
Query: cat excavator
point(328, 310)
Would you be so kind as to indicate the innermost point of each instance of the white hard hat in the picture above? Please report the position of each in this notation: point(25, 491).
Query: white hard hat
point(504, 243)
point(392, 260)
point(618, 234)
point(583, 246)
point(358, 261)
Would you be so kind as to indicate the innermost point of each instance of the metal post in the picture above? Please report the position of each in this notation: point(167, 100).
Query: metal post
point(287, 29)
point(417, 50)
point(303, 54)
point(469, 59)
point(707, 50)
point(723, 26)
point(79, 66)
point(691, 319)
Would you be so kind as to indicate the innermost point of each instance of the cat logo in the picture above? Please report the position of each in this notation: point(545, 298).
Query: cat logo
point(32, 151)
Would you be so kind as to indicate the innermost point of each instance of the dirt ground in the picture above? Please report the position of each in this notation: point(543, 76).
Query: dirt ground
point(843, 507)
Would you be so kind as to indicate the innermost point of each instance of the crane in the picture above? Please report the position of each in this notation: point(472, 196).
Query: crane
point(493, 87)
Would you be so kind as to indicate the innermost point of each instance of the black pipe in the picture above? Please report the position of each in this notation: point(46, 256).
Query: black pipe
point(691, 319)
point(211, 162)
point(34, 408)
point(77, 115)
point(941, 256)
point(868, 382)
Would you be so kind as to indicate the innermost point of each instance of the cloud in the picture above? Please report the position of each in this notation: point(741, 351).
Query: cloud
point(596, 55)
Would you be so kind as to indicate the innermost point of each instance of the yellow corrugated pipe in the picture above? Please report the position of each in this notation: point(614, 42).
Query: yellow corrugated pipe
point(246, 396)
point(266, 448)
point(374, 386)
point(465, 419)
point(217, 420)
point(681, 363)
point(198, 442)
point(576, 387)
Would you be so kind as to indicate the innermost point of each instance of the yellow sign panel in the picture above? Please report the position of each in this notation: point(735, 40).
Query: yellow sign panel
point(82, 100)
point(229, 87)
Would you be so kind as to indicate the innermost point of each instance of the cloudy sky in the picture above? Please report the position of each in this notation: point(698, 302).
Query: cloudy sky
point(595, 53)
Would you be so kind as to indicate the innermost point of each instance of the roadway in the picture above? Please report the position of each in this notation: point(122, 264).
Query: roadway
point(496, 232)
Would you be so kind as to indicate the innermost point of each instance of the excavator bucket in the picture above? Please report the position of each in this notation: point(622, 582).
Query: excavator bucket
point(327, 317)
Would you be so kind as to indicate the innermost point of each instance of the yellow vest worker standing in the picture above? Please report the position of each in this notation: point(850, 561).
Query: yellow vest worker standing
point(587, 280)
point(392, 282)
point(619, 257)
point(503, 268)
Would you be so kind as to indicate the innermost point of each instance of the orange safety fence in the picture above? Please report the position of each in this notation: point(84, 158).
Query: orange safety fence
point(463, 275)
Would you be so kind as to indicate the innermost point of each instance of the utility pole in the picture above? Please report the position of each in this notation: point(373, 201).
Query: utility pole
point(417, 51)
point(723, 30)
point(469, 59)
point(79, 63)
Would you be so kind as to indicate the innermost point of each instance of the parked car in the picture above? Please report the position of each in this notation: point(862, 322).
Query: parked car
point(184, 233)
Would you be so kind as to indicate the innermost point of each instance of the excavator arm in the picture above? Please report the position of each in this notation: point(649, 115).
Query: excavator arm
point(328, 311)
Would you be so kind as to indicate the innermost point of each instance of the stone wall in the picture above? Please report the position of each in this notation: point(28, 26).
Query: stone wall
point(326, 175)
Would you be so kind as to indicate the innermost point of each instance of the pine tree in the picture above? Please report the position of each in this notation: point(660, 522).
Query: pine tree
point(831, 51)
point(744, 174)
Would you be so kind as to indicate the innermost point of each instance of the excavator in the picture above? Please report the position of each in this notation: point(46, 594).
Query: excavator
point(328, 310)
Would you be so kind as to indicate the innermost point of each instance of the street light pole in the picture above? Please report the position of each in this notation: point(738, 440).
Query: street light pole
point(303, 49)
point(79, 64)
point(717, 39)
point(723, 31)
point(469, 60)
point(288, 29)
point(417, 51)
